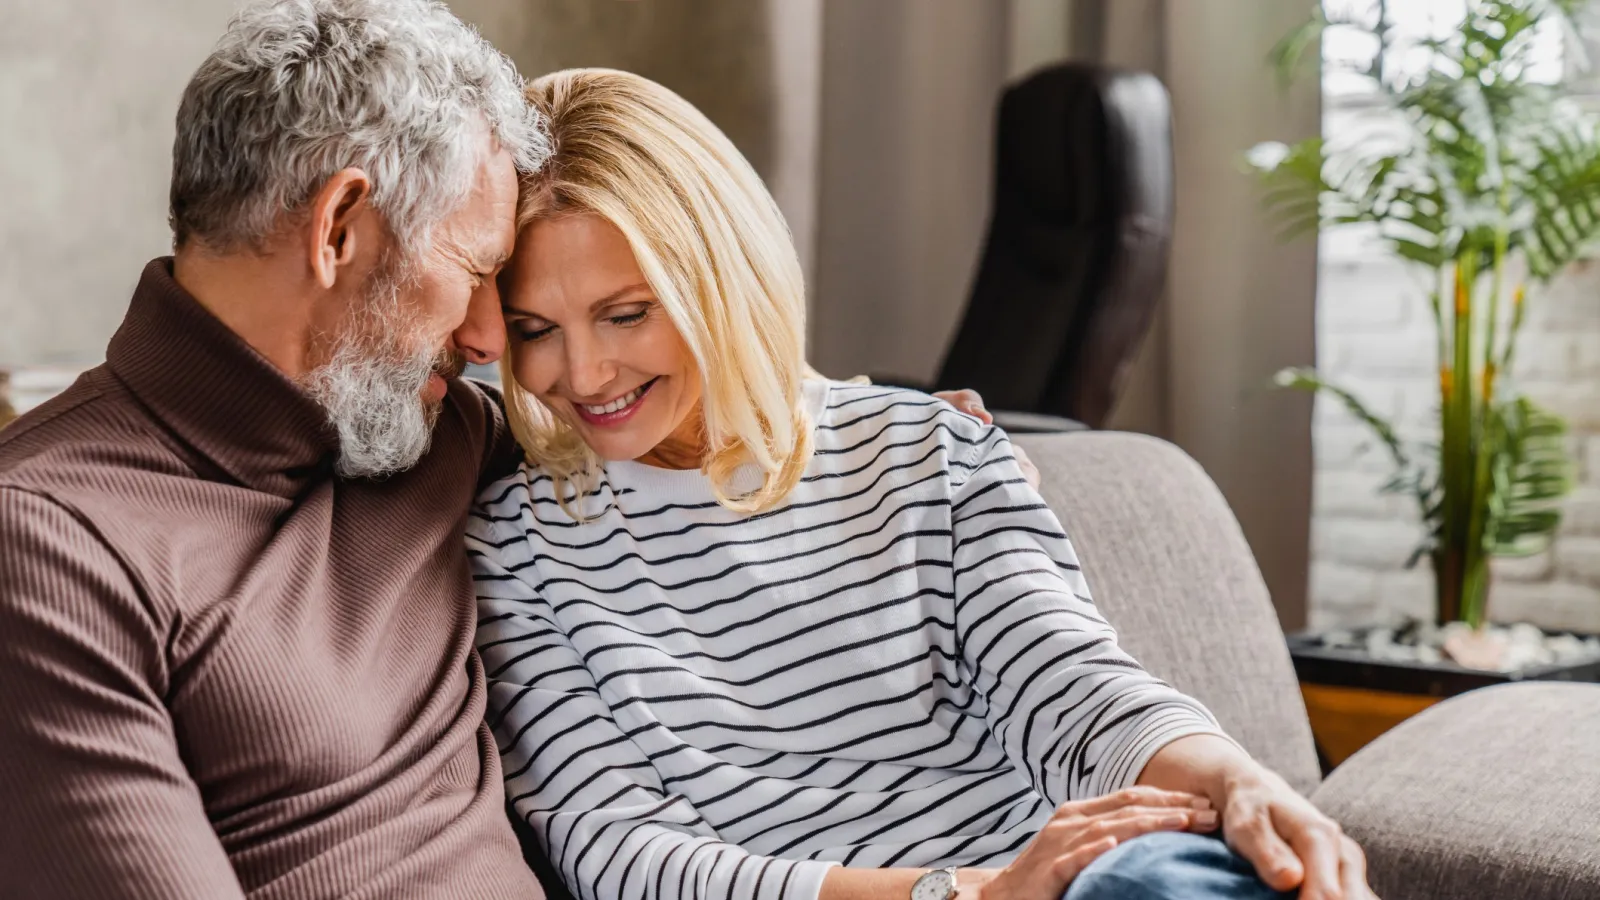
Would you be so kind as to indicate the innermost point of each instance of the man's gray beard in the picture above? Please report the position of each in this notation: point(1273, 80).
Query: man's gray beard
point(370, 381)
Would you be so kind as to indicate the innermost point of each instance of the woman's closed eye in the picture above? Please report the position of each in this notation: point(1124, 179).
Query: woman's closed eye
point(632, 318)
point(532, 332)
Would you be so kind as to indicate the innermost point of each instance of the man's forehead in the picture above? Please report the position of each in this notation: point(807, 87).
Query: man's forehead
point(488, 219)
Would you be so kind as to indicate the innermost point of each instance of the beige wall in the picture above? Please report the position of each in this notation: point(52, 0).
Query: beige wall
point(751, 67)
point(88, 91)
point(908, 95)
point(1241, 302)
point(87, 95)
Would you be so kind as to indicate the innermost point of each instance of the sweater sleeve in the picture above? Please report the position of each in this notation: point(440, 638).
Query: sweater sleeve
point(1070, 707)
point(577, 776)
point(97, 800)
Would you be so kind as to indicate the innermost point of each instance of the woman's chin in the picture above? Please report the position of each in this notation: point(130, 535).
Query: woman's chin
point(617, 447)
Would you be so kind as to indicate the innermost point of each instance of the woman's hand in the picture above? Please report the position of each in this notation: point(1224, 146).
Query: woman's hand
point(1289, 841)
point(1080, 831)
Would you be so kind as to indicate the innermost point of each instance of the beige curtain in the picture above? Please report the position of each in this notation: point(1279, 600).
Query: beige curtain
point(1240, 304)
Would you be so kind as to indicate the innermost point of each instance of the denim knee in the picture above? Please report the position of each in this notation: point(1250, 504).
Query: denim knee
point(1169, 866)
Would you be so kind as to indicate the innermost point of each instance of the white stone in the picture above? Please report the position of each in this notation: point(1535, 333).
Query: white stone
point(1522, 633)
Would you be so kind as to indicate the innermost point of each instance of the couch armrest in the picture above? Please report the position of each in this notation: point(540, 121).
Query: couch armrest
point(1016, 422)
point(1495, 793)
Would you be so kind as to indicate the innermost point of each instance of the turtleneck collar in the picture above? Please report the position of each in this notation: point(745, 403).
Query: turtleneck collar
point(216, 392)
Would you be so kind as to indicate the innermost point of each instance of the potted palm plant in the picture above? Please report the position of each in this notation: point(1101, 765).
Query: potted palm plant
point(1488, 178)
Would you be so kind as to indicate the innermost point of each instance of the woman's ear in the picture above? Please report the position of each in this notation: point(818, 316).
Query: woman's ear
point(335, 234)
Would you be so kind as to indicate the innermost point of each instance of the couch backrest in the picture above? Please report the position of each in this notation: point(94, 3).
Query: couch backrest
point(1168, 565)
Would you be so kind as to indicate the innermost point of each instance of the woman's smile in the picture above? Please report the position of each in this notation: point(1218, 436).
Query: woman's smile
point(617, 411)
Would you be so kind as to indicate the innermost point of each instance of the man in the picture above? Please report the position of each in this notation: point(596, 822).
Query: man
point(237, 616)
point(238, 624)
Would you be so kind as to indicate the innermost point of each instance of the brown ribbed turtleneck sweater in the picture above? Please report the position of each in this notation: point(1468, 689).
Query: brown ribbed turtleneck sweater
point(224, 670)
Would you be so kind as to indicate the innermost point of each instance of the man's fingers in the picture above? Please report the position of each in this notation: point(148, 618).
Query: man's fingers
point(1135, 796)
point(968, 401)
point(1254, 838)
point(1070, 865)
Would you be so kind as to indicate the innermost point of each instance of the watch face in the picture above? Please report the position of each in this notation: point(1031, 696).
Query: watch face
point(935, 885)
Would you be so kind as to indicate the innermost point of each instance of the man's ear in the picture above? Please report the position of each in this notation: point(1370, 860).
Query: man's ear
point(336, 211)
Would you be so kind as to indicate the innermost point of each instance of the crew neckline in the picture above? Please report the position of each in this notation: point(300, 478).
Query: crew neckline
point(693, 484)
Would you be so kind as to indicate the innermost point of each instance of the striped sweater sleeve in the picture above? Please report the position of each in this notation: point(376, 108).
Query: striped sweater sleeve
point(1070, 708)
point(582, 782)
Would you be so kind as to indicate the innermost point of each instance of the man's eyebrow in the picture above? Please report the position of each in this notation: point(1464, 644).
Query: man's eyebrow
point(489, 264)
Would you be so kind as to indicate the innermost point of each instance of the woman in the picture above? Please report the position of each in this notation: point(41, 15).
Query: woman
point(754, 634)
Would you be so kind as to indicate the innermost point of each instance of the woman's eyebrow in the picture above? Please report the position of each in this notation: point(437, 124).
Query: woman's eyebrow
point(618, 294)
point(506, 309)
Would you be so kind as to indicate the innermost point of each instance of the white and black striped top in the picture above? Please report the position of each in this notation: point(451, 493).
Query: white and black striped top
point(900, 666)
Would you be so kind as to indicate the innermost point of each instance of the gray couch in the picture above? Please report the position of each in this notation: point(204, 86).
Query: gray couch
point(1495, 794)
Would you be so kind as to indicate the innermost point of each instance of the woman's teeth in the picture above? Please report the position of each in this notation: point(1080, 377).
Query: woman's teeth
point(618, 404)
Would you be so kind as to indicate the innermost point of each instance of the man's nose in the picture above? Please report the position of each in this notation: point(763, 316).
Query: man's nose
point(482, 335)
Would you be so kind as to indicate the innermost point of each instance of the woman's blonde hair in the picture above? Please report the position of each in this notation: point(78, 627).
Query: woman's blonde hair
point(717, 254)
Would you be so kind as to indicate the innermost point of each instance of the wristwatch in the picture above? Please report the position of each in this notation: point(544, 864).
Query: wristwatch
point(940, 884)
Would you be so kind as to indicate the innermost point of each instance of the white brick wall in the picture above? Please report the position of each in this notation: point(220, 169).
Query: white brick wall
point(1375, 336)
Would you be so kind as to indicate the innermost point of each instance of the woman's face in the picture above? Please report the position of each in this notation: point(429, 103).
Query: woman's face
point(590, 340)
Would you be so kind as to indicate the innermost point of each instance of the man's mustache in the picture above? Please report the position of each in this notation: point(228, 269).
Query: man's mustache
point(449, 364)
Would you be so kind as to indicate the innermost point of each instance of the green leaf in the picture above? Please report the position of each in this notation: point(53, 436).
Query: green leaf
point(1302, 379)
point(1530, 473)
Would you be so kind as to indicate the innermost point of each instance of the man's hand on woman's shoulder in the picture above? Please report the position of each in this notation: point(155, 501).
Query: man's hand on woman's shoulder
point(971, 403)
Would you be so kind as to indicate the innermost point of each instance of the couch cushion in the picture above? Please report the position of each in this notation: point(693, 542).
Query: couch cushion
point(1167, 563)
point(1491, 794)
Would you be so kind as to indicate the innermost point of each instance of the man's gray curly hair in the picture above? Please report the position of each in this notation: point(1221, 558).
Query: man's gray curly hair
point(297, 90)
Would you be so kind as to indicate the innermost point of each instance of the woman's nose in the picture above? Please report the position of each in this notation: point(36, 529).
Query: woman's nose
point(589, 369)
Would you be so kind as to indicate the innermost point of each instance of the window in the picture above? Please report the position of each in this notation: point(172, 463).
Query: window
point(1347, 51)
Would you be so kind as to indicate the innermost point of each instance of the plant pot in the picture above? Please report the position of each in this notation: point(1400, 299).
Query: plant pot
point(1352, 696)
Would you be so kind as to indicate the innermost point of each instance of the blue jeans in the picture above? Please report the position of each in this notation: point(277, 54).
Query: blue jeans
point(1171, 866)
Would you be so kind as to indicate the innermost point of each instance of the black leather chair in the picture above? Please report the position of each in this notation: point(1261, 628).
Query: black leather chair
point(1076, 255)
